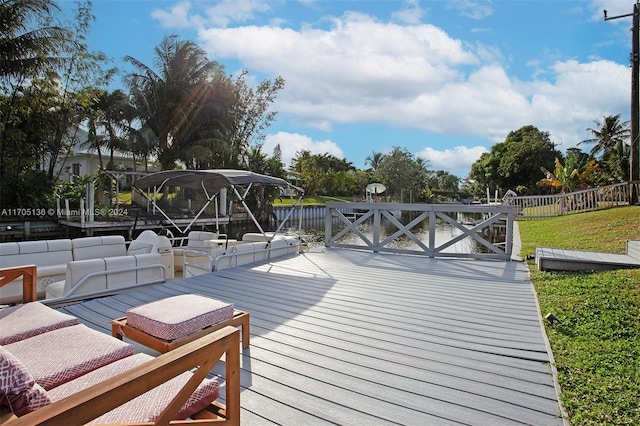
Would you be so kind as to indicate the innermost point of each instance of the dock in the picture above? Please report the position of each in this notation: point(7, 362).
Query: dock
point(555, 259)
point(350, 337)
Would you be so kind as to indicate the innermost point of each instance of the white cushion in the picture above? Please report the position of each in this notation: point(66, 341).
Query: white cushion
point(78, 269)
point(96, 247)
point(197, 239)
point(152, 274)
point(139, 247)
point(119, 279)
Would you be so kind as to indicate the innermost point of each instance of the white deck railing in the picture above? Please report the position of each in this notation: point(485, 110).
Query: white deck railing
point(353, 216)
point(541, 206)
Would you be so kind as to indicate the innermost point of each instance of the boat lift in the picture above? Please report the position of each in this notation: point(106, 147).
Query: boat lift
point(211, 182)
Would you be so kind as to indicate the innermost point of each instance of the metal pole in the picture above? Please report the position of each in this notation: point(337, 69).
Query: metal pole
point(634, 169)
point(635, 107)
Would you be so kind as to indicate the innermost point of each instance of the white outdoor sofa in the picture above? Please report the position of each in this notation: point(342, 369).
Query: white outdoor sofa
point(89, 264)
point(253, 247)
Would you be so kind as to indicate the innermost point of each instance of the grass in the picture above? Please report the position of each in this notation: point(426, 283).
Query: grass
point(596, 343)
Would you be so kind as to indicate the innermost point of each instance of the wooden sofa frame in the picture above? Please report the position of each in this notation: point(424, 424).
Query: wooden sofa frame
point(201, 354)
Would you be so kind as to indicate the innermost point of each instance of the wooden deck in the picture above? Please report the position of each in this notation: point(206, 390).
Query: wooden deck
point(357, 338)
point(555, 259)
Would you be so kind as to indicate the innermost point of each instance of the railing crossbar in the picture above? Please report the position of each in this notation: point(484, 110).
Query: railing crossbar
point(491, 216)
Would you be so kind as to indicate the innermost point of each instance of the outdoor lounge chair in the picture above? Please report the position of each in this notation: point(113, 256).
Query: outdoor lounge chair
point(110, 384)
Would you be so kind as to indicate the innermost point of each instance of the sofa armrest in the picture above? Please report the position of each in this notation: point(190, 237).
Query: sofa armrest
point(201, 355)
point(92, 277)
point(196, 262)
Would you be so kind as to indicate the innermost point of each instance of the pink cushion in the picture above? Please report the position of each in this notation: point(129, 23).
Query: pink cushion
point(148, 406)
point(67, 353)
point(179, 316)
point(18, 390)
point(23, 321)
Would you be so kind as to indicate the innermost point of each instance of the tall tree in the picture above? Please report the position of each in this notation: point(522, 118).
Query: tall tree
point(105, 115)
point(607, 134)
point(43, 68)
point(374, 160)
point(400, 172)
point(515, 162)
point(611, 145)
point(168, 100)
point(323, 174)
point(251, 114)
point(29, 44)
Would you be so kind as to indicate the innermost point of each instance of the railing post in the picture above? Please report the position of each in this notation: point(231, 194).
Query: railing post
point(376, 229)
point(432, 233)
point(509, 235)
point(327, 225)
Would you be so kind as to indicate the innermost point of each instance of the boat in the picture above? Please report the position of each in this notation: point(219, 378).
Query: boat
point(222, 251)
point(71, 270)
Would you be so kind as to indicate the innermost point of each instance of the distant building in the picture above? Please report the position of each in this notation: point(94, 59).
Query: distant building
point(80, 161)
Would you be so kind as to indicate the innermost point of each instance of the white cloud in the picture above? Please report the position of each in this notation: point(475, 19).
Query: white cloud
point(365, 71)
point(457, 160)
point(361, 70)
point(411, 13)
point(472, 9)
point(178, 16)
point(228, 11)
point(579, 93)
point(221, 14)
point(292, 143)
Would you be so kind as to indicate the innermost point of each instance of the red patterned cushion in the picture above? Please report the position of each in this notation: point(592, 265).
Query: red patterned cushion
point(22, 321)
point(67, 353)
point(18, 390)
point(36, 397)
point(146, 407)
point(179, 316)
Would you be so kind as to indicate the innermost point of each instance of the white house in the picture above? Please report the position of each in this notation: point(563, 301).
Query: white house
point(80, 161)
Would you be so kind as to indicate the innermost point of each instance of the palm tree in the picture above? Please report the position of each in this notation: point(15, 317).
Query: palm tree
point(607, 135)
point(168, 101)
point(25, 51)
point(116, 109)
point(374, 160)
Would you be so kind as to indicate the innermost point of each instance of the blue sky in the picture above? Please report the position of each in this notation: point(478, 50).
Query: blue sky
point(444, 79)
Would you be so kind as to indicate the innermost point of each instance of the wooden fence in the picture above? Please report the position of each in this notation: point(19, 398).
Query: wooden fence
point(406, 219)
point(541, 206)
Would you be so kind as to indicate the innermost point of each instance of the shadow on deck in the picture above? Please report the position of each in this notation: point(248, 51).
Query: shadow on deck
point(350, 337)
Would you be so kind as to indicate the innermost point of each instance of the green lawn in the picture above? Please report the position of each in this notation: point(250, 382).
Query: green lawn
point(596, 344)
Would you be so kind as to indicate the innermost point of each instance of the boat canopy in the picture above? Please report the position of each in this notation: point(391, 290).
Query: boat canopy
point(211, 182)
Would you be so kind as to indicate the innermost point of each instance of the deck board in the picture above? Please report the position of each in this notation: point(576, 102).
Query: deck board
point(351, 337)
point(549, 259)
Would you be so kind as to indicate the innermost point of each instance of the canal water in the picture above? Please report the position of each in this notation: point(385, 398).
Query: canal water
point(313, 230)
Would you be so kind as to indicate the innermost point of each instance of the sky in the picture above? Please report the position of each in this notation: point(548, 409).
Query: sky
point(445, 80)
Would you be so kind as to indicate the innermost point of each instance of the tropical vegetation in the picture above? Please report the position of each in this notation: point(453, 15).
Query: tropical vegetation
point(185, 111)
point(596, 340)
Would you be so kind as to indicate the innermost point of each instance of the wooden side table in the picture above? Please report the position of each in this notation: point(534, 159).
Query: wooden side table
point(119, 329)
